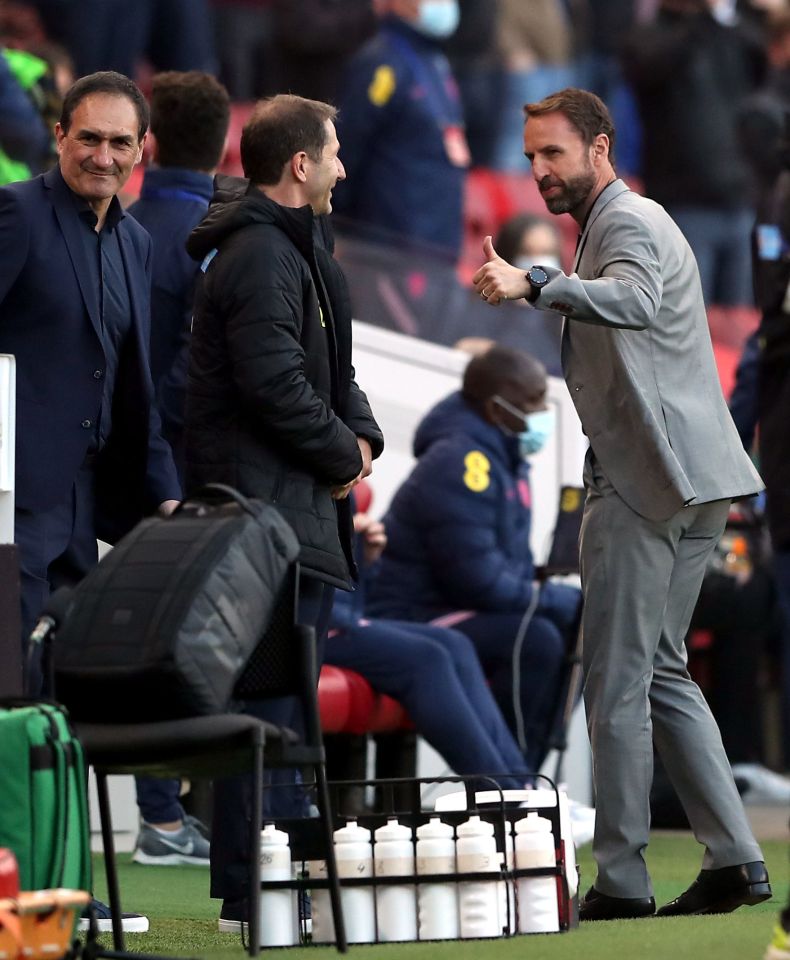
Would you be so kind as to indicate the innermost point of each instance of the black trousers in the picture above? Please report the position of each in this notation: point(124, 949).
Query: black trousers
point(284, 796)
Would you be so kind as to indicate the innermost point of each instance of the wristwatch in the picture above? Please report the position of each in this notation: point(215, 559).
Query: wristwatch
point(538, 278)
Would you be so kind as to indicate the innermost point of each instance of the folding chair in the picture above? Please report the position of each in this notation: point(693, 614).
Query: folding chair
point(283, 663)
point(563, 560)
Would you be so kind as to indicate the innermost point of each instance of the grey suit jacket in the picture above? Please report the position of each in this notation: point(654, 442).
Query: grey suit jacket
point(639, 364)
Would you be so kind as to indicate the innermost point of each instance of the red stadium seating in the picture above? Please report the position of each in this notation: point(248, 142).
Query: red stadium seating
point(348, 704)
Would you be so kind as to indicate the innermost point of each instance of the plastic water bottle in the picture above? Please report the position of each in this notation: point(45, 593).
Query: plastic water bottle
point(478, 899)
point(396, 905)
point(354, 854)
point(277, 906)
point(538, 910)
point(437, 902)
point(321, 905)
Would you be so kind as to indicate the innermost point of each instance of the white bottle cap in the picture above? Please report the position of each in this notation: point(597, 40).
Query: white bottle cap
point(533, 823)
point(352, 832)
point(434, 828)
point(475, 827)
point(392, 830)
point(272, 837)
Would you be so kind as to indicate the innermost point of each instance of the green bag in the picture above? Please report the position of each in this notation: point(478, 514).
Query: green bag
point(43, 797)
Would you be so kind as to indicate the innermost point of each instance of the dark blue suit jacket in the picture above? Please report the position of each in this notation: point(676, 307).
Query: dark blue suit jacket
point(49, 320)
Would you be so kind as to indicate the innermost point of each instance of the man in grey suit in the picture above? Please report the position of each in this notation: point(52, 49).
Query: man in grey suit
point(663, 465)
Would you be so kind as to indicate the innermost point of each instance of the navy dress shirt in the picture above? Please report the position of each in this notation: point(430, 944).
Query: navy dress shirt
point(107, 275)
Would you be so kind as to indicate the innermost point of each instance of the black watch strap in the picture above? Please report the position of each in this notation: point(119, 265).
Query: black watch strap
point(537, 278)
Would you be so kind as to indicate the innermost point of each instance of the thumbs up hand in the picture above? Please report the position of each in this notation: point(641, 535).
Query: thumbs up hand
point(498, 280)
point(488, 250)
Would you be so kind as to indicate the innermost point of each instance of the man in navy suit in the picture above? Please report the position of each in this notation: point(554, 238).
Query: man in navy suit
point(74, 311)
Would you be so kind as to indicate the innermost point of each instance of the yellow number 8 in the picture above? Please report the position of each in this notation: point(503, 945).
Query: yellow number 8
point(571, 499)
point(478, 468)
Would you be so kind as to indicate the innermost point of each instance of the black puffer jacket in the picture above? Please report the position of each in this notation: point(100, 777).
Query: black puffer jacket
point(272, 406)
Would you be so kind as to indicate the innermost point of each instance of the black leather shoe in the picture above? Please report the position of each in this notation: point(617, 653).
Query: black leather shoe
point(722, 891)
point(598, 906)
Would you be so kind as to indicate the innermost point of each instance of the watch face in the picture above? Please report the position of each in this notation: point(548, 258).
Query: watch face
point(538, 276)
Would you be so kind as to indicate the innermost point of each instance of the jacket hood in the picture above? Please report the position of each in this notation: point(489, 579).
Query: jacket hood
point(236, 204)
point(454, 417)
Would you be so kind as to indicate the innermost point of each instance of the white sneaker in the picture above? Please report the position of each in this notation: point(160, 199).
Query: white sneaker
point(130, 922)
point(759, 785)
point(582, 822)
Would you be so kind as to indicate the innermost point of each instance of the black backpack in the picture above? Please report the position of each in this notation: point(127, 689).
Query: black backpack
point(164, 625)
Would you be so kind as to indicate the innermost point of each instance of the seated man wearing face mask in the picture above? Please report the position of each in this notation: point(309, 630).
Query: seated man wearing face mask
point(458, 549)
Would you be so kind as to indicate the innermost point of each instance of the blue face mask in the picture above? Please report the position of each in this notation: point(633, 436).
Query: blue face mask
point(438, 18)
point(540, 427)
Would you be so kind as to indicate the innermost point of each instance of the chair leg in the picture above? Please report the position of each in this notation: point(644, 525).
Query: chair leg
point(305, 637)
point(92, 949)
point(110, 868)
point(331, 863)
point(256, 819)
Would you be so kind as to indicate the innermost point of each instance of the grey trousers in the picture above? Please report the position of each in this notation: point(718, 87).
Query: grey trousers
point(641, 580)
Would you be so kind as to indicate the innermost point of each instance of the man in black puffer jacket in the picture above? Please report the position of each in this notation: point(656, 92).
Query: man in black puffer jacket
point(272, 406)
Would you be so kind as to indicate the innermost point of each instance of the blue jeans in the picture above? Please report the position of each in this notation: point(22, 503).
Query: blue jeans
point(721, 241)
point(436, 674)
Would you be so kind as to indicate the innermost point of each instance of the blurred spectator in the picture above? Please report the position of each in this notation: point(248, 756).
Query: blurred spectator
point(99, 34)
point(691, 68)
point(762, 395)
point(180, 36)
point(523, 240)
point(474, 57)
point(527, 239)
point(433, 671)
point(190, 113)
point(20, 26)
point(402, 131)
point(419, 295)
point(762, 117)
point(118, 34)
point(599, 68)
point(474, 346)
point(61, 68)
point(314, 40)
point(536, 45)
point(458, 552)
point(245, 45)
point(26, 142)
point(737, 608)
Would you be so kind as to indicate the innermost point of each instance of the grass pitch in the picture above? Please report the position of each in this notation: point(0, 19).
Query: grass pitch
point(184, 919)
